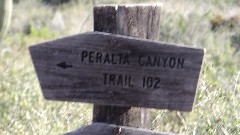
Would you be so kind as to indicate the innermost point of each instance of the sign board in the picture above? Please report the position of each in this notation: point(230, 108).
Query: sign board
point(118, 70)
point(110, 129)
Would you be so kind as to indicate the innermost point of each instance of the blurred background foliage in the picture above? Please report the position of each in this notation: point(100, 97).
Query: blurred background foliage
point(212, 24)
point(5, 15)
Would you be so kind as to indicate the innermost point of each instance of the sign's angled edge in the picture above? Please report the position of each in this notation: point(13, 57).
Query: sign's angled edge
point(123, 36)
point(199, 77)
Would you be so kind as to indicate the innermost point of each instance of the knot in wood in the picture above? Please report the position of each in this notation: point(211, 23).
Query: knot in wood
point(113, 43)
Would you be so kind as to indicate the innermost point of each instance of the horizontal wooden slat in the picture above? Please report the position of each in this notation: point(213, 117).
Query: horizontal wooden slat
point(110, 129)
point(118, 70)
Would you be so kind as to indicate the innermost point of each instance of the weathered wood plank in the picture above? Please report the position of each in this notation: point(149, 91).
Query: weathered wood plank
point(138, 20)
point(122, 115)
point(118, 70)
point(105, 129)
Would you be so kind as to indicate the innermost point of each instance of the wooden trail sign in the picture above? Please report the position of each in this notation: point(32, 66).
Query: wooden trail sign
point(111, 69)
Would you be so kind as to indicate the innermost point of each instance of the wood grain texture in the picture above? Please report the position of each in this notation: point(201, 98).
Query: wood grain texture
point(133, 20)
point(66, 74)
point(106, 129)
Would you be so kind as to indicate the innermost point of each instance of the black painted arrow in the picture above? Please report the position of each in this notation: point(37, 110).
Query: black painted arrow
point(64, 65)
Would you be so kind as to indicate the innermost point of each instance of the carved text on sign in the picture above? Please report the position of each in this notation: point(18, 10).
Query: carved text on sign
point(123, 59)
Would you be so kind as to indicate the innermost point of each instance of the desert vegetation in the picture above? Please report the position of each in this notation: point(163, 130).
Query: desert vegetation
point(194, 23)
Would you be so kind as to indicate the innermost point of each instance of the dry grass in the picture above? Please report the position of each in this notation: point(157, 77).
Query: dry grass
point(24, 111)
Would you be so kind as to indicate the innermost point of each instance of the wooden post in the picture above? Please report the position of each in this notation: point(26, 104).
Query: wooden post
point(132, 20)
point(112, 70)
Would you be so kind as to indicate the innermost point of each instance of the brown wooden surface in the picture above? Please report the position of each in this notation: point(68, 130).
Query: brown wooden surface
point(66, 74)
point(105, 129)
point(133, 20)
